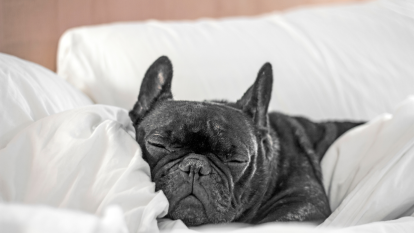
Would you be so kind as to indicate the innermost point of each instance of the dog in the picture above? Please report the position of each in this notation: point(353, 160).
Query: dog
point(220, 162)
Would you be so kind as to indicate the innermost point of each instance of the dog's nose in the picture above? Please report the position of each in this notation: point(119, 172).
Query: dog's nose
point(195, 163)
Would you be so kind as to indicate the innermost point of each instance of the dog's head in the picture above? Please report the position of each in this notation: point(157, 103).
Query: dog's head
point(209, 158)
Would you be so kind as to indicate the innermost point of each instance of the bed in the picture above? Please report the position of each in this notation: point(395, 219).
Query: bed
point(69, 161)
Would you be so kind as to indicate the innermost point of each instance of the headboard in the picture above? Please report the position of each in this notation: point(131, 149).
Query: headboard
point(30, 29)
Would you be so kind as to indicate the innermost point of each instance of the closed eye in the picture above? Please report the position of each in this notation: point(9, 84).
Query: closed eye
point(237, 161)
point(156, 144)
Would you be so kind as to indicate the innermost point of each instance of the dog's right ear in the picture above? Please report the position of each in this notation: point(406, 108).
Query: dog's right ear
point(155, 87)
point(255, 101)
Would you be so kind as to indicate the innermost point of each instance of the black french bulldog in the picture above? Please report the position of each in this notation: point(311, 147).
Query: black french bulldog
point(220, 162)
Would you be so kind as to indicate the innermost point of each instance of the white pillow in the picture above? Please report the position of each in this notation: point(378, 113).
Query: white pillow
point(345, 61)
point(29, 92)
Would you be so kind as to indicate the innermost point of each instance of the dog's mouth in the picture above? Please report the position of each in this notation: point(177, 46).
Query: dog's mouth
point(192, 202)
point(196, 199)
point(190, 210)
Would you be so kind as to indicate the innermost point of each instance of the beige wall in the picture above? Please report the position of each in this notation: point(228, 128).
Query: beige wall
point(30, 29)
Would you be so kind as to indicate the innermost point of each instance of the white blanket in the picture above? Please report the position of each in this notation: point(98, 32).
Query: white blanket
point(86, 163)
point(82, 159)
point(369, 172)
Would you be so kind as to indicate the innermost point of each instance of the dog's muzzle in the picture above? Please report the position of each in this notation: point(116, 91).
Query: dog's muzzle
point(195, 164)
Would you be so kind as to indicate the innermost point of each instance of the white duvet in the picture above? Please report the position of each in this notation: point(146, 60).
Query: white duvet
point(67, 165)
point(84, 160)
point(86, 163)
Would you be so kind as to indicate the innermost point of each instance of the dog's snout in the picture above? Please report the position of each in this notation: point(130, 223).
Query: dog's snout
point(195, 163)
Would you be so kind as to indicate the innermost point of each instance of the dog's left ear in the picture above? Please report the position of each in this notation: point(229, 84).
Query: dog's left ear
point(255, 101)
point(155, 87)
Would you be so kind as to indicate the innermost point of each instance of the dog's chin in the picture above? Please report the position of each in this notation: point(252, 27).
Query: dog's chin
point(191, 211)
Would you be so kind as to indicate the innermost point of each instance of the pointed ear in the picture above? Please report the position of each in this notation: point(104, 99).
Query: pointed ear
point(255, 101)
point(155, 87)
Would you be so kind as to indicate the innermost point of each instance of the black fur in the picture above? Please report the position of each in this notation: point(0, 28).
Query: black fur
point(232, 162)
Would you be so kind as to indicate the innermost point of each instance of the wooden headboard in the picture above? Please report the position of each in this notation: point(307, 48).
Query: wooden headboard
point(30, 29)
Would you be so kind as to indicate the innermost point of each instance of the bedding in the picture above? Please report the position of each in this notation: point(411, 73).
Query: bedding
point(69, 166)
point(29, 92)
point(368, 172)
point(84, 159)
point(351, 61)
point(81, 170)
point(26, 218)
point(85, 162)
